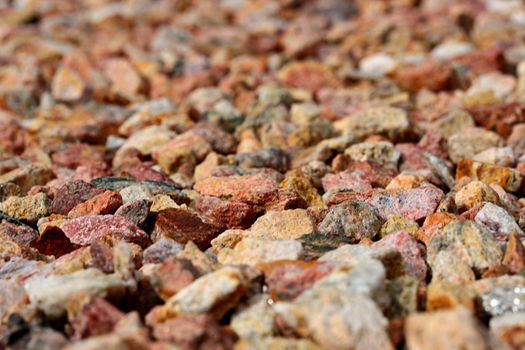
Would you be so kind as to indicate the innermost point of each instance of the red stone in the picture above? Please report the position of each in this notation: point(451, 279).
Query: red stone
point(499, 118)
point(184, 226)
point(286, 279)
point(104, 203)
point(430, 75)
point(232, 214)
point(96, 317)
point(346, 180)
point(172, 275)
point(249, 189)
point(87, 229)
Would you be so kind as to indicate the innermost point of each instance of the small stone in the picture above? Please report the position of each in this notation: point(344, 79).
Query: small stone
point(163, 201)
point(183, 226)
point(27, 177)
point(135, 212)
point(287, 279)
point(172, 275)
point(458, 330)
point(447, 266)
point(252, 189)
point(304, 113)
point(508, 330)
point(411, 204)
point(215, 293)
point(123, 75)
point(502, 300)
point(447, 295)
point(410, 251)
point(232, 214)
point(105, 203)
point(135, 193)
point(516, 140)
point(273, 158)
point(475, 193)
point(452, 123)
point(286, 224)
point(388, 121)
point(67, 85)
point(514, 257)
point(377, 65)
point(353, 220)
point(197, 332)
point(381, 152)
point(87, 229)
point(507, 178)
point(74, 155)
point(471, 141)
point(396, 223)
point(406, 181)
point(254, 251)
point(50, 294)
point(227, 239)
point(307, 75)
point(255, 319)
point(29, 208)
point(72, 194)
point(432, 225)
point(161, 250)
point(498, 221)
point(449, 50)
point(144, 142)
point(339, 322)
point(404, 296)
point(346, 181)
point(92, 316)
point(302, 185)
point(501, 156)
point(431, 75)
point(352, 254)
point(468, 240)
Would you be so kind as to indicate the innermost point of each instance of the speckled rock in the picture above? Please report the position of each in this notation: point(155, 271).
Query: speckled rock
point(448, 266)
point(232, 214)
point(28, 208)
point(498, 221)
point(396, 223)
point(392, 122)
point(411, 204)
point(87, 229)
point(354, 221)
point(381, 152)
point(135, 212)
point(468, 240)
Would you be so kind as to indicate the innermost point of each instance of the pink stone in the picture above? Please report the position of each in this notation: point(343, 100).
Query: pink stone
point(250, 189)
point(410, 251)
point(87, 229)
point(232, 214)
point(413, 203)
point(346, 180)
